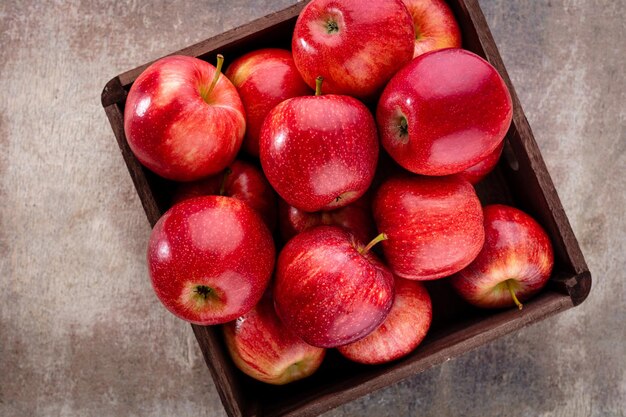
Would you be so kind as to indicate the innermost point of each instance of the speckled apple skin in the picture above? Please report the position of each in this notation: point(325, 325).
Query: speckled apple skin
point(435, 26)
point(374, 40)
point(263, 348)
point(319, 152)
point(516, 247)
point(327, 292)
point(172, 130)
point(478, 172)
point(356, 217)
point(434, 225)
point(402, 331)
point(245, 182)
point(457, 109)
point(263, 79)
point(213, 241)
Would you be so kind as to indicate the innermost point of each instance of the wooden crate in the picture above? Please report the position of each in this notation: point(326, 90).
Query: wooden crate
point(521, 179)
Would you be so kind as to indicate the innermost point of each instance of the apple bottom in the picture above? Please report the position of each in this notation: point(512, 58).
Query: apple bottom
point(402, 331)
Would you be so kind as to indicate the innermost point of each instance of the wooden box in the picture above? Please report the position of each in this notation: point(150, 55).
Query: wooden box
point(521, 179)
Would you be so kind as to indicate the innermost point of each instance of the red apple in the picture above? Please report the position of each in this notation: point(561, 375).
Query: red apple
point(263, 79)
point(356, 46)
point(402, 331)
point(444, 112)
point(263, 348)
point(319, 152)
point(513, 265)
point(210, 259)
point(434, 225)
point(330, 289)
point(356, 217)
point(435, 25)
point(478, 172)
point(183, 119)
point(241, 180)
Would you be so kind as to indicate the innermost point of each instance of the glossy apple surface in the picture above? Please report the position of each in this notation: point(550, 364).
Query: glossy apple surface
point(402, 331)
point(444, 112)
point(356, 217)
point(514, 264)
point(356, 46)
point(241, 180)
point(319, 152)
point(329, 290)
point(263, 348)
point(176, 126)
point(263, 79)
point(435, 26)
point(478, 172)
point(434, 225)
point(210, 259)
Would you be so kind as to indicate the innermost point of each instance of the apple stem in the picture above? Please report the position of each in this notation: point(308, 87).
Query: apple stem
point(218, 72)
point(374, 241)
point(227, 172)
point(509, 285)
point(318, 85)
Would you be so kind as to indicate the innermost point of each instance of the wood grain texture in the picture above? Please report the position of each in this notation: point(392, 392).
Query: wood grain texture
point(523, 181)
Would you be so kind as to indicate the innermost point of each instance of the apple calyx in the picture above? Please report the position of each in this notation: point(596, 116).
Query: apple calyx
point(509, 285)
point(331, 27)
point(403, 127)
point(318, 85)
point(203, 295)
point(216, 77)
point(377, 239)
point(227, 172)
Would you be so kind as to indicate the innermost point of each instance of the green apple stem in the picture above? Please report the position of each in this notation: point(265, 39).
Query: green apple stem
point(509, 285)
point(218, 72)
point(227, 172)
point(374, 241)
point(318, 85)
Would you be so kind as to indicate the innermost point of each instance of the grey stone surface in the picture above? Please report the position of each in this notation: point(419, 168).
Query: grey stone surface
point(81, 333)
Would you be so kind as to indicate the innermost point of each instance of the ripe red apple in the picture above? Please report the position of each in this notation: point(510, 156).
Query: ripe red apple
point(434, 225)
point(476, 173)
point(444, 112)
point(263, 79)
point(402, 331)
point(356, 46)
point(330, 289)
point(183, 119)
point(241, 180)
point(356, 217)
point(319, 152)
point(513, 265)
point(210, 259)
point(435, 25)
point(263, 348)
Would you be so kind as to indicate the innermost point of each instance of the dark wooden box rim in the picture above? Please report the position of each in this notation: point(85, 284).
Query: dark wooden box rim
point(568, 289)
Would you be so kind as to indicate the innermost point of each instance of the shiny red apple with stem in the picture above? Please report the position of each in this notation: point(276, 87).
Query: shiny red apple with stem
point(434, 225)
point(402, 331)
point(264, 78)
point(210, 259)
point(435, 25)
point(356, 46)
point(263, 348)
point(330, 289)
point(184, 120)
point(319, 152)
point(355, 217)
point(444, 112)
point(514, 264)
point(241, 180)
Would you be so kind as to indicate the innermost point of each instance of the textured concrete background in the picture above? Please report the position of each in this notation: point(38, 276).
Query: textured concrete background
point(81, 333)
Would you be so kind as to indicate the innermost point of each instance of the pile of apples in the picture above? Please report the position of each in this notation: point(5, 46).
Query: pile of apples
point(284, 296)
